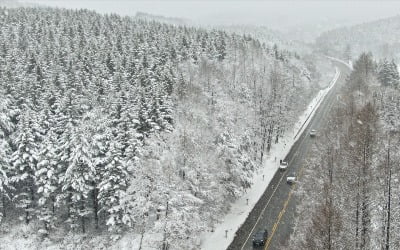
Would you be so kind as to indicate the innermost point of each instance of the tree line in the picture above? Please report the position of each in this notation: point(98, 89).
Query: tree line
point(349, 183)
point(104, 117)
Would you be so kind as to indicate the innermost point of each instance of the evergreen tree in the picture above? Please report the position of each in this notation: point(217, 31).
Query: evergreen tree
point(24, 161)
point(364, 67)
point(388, 74)
point(5, 185)
point(79, 177)
point(102, 137)
point(112, 187)
point(47, 180)
point(87, 118)
point(6, 128)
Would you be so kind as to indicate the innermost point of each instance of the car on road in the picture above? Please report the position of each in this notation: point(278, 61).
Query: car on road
point(283, 165)
point(260, 238)
point(290, 179)
point(313, 133)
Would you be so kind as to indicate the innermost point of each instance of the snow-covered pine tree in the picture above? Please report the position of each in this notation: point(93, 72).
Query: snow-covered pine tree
point(394, 72)
point(5, 186)
point(47, 172)
point(79, 177)
point(388, 74)
point(24, 161)
point(113, 184)
point(6, 127)
point(47, 181)
point(100, 145)
point(384, 73)
point(145, 125)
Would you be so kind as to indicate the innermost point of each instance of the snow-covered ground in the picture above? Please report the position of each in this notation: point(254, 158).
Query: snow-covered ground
point(224, 232)
point(231, 222)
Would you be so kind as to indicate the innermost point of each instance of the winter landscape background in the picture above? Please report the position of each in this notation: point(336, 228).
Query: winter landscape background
point(140, 125)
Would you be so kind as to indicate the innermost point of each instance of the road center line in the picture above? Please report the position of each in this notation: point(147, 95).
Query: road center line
point(276, 224)
point(336, 78)
point(286, 203)
point(272, 195)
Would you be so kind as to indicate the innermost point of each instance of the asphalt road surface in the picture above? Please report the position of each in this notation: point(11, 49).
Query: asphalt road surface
point(275, 210)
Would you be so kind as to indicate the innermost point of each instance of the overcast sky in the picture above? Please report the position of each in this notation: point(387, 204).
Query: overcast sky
point(281, 15)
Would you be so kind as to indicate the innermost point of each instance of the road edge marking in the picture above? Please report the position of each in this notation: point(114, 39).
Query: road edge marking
point(283, 211)
point(266, 205)
point(334, 80)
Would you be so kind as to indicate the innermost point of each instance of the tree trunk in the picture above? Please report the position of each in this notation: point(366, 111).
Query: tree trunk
point(357, 212)
point(365, 216)
point(3, 204)
point(53, 206)
point(387, 246)
point(95, 207)
point(264, 138)
point(83, 218)
point(27, 216)
point(269, 140)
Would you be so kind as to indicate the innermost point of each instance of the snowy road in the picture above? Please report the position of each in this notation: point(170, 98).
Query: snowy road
point(275, 210)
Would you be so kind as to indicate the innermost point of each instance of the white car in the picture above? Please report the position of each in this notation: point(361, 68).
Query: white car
point(291, 179)
point(283, 166)
point(313, 132)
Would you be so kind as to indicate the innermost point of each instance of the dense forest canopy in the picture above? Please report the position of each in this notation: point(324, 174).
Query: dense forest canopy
point(107, 120)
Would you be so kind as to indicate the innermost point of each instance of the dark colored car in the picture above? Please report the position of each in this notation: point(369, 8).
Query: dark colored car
point(260, 238)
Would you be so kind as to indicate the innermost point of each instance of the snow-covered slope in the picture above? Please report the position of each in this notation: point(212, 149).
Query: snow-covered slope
point(380, 37)
point(162, 19)
point(146, 129)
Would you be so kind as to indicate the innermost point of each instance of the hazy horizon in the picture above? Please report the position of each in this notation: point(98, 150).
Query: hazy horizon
point(276, 14)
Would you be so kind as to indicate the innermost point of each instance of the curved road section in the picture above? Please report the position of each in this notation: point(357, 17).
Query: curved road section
point(275, 211)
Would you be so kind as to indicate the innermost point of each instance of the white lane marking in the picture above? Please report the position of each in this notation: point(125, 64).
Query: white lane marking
point(272, 195)
point(262, 213)
point(282, 212)
point(280, 180)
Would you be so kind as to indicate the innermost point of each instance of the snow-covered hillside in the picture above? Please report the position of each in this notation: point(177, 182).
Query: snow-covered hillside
point(117, 132)
point(9, 3)
point(380, 37)
point(162, 19)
